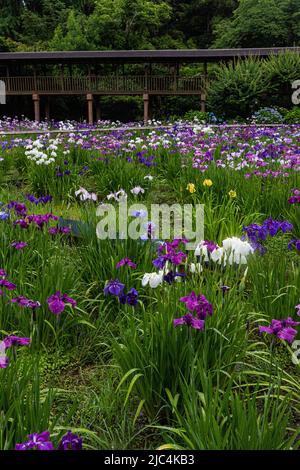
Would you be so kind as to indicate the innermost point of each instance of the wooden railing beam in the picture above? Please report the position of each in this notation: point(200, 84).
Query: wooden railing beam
point(135, 84)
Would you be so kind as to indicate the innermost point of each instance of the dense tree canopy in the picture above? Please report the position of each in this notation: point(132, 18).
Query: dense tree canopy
point(144, 24)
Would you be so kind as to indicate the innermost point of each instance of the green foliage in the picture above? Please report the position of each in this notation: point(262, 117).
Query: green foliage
point(238, 88)
point(25, 406)
point(293, 116)
point(196, 116)
point(260, 24)
point(282, 71)
point(121, 24)
point(219, 419)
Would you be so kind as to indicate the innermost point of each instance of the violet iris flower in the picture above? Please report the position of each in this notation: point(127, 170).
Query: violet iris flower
point(159, 262)
point(132, 297)
point(19, 245)
point(199, 304)
point(24, 302)
point(282, 329)
point(57, 302)
point(4, 215)
point(70, 441)
point(190, 320)
point(211, 246)
point(37, 442)
point(41, 200)
point(257, 233)
point(114, 287)
point(8, 285)
point(19, 208)
point(126, 262)
point(8, 342)
point(12, 340)
point(294, 244)
point(61, 230)
point(170, 276)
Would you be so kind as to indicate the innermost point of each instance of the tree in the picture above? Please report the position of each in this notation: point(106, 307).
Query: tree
point(258, 23)
point(196, 18)
point(75, 37)
point(114, 24)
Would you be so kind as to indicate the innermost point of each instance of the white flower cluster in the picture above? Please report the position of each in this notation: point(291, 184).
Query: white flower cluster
point(233, 251)
point(38, 153)
point(153, 279)
point(137, 190)
point(119, 196)
point(84, 195)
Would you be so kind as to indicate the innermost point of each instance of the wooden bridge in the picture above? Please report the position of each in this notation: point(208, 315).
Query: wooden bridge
point(93, 73)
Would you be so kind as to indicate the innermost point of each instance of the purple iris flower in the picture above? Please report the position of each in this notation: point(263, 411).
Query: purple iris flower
point(114, 287)
point(24, 302)
point(126, 262)
point(41, 200)
point(57, 302)
point(282, 329)
point(41, 220)
point(61, 230)
point(159, 262)
point(132, 297)
point(189, 320)
point(20, 209)
point(294, 244)
point(224, 289)
point(4, 360)
point(294, 199)
point(70, 441)
point(177, 258)
point(199, 304)
point(3, 273)
point(37, 442)
point(12, 340)
point(257, 233)
point(211, 246)
point(170, 276)
point(167, 251)
point(4, 215)
point(22, 223)
point(298, 309)
point(8, 285)
point(122, 298)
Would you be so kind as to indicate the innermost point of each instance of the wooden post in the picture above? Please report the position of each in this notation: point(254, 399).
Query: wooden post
point(89, 98)
point(47, 108)
point(205, 72)
point(146, 107)
point(204, 88)
point(203, 102)
point(98, 110)
point(37, 111)
point(35, 80)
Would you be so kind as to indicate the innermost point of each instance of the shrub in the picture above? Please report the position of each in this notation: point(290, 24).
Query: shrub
point(239, 88)
point(293, 116)
point(196, 116)
point(282, 70)
point(267, 116)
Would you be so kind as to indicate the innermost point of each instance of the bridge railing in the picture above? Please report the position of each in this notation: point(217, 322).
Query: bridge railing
point(104, 84)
